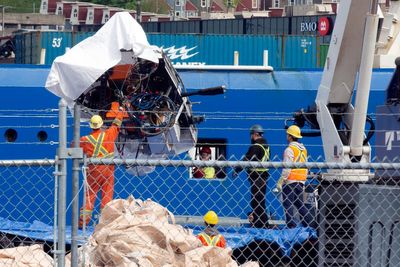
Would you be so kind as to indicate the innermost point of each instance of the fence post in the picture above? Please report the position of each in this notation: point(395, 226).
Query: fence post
point(75, 190)
point(62, 147)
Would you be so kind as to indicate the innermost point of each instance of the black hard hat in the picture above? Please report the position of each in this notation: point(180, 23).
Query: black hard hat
point(257, 128)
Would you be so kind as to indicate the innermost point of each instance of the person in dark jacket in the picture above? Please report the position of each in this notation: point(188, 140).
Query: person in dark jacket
point(258, 151)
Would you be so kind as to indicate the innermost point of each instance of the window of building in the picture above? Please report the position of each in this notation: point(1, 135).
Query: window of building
point(59, 10)
point(291, 3)
point(277, 3)
point(217, 149)
point(203, 3)
point(254, 3)
point(177, 14)
point(75, 13)
point(177, 2)
point(106, 16)
point(229, 3)
point(90, 16)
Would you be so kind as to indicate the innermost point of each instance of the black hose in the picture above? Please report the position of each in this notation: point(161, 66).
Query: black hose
point(371, 130)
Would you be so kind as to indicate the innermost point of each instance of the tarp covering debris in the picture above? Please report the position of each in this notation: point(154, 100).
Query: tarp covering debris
point(73, 73)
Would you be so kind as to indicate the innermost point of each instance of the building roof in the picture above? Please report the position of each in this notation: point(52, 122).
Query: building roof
point(217, 6)
point(190, 6)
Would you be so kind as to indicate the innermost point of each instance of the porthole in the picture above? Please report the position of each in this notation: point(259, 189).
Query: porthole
point(42, 136)
point(11, 135)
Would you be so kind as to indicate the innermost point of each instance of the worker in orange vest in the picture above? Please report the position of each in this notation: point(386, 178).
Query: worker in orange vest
point(99, 144)
point(211, 236)
point(292, 181)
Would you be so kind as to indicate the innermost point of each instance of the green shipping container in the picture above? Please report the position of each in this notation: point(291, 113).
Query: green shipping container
point(323, 53)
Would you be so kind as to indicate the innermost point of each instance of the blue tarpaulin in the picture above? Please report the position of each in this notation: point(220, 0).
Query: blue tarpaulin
point(236, 237)
point(286, 239)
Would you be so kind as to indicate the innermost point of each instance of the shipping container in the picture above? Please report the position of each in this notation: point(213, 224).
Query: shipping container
point(191, 49)
point(284, 52)
point(80, 36)
point(278, 26)
point(300, 52)
point(29, 46)
point(323, 53)
point(175, 27)
point(309, 25)
point(222, 26)
point(299, 25)
point(55, 44)
point(153, 27)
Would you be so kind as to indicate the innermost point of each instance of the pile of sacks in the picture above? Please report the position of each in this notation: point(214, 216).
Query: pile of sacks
point(26, 256)
point(143, 233)
point(132, 233)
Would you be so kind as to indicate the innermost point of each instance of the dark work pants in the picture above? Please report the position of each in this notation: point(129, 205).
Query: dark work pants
point(293, 198)
point(258, 187)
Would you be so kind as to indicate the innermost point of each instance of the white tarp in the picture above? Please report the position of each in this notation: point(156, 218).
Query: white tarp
point(73, 73)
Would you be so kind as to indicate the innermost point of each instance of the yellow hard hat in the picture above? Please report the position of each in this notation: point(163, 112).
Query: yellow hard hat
point(96, 122)
point(211, 217)
point(294, 131)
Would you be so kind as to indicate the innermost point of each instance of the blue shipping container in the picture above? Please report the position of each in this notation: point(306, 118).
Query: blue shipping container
point(80, 36)
point(300, 52)
point(284, 52)
point(55, 43)
point(190, 49)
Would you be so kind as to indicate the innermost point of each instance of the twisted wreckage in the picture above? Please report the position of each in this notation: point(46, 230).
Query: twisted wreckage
point(117, 66)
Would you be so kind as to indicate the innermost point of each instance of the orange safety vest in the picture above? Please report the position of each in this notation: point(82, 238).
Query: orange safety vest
point(300, 155)
point(216, 241)
point(99, 151)
point(100, 144)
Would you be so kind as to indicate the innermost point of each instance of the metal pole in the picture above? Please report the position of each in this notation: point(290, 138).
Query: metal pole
point(138, 11)
point(2, 21)
point(173, 14)
point(364, 81)
point(75, 190)
point(62, 105)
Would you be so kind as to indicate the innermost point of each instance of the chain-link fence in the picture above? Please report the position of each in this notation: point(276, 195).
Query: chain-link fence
point(27, 211)
point(156, 212)
point(159, 217)
point(315, 223)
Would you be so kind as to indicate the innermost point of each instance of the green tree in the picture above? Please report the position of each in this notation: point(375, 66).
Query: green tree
point(128, 4)
point(155, 6)
point(21, 6)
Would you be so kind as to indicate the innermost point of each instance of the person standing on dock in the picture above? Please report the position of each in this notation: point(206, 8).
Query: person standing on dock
point(292, 181)
point(258, 151)
point(99, 144)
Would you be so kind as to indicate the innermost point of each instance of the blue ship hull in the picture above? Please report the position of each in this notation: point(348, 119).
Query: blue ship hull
point(252, 97)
